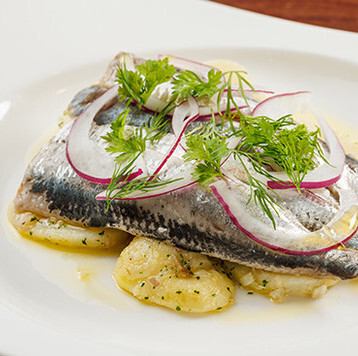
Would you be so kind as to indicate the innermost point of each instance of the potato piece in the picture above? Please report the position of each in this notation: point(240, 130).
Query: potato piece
point(59, 233)
point(158, 273)
point(279, 286)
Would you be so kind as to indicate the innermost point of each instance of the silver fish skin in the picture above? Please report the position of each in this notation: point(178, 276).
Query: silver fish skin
point(191, 219)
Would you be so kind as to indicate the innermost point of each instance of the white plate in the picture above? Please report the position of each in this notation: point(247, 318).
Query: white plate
point(49, 51)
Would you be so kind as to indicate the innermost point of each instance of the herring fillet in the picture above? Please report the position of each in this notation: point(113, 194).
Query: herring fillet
point(191, 219)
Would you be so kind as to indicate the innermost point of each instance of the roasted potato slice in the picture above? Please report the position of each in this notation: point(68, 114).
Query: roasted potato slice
point(58, 233)
point(279, 286)
point(158, 273)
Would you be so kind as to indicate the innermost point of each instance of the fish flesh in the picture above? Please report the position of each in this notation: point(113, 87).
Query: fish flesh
point(191, 219)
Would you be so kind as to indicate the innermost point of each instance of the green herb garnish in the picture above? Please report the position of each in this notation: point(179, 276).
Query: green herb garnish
point(279, 144)
point(207, 148)
point(120, 187)
point(264, 145)
point(189, 84)
point(124, 144)
point(140, 84)
point(127, 145)
point(261, 196)
point(229, 90)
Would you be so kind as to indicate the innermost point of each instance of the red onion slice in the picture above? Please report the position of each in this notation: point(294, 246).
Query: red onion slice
point(289, 237)
point(87, 158)
point(188, 64)
point(205, 114)
point(259, 91)
point(254, 95)
point(183, 116)
point(279, 105)
point(181, 113)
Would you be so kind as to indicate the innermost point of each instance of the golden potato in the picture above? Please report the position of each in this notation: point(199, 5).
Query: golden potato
point(58, 233)
point(158, 273)
point(279, 286)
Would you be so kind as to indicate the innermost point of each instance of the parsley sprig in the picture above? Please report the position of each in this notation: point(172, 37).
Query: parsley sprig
point(140, 84)
point(125, 143)
point(189, 84)
point(207, 148)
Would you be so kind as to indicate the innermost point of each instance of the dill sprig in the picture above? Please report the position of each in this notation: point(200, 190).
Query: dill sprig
point(140, 184)
point(261, 195)
point(229, 89)
point(120, 185)
point(120, 177)
point(239, 75)
point(279, 144)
